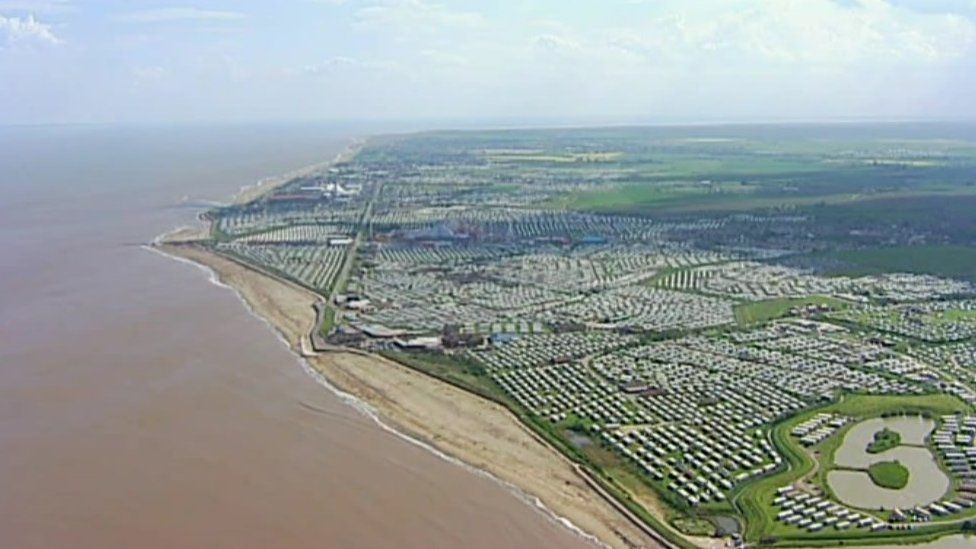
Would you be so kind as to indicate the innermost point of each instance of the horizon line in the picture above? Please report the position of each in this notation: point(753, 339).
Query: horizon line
point(500, 123)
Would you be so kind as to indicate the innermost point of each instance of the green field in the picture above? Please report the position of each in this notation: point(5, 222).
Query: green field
point(554, 157)
point(956, 315)
point(761, 311)
point(638, 198)
point(864, 406)
point(736, 196)
point(942, 260)
point(889, 474)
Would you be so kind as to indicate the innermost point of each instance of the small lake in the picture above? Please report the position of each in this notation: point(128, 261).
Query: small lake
point(926, 484)
point(726, 524)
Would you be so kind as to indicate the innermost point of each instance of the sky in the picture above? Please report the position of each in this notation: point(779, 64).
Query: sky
point(104, 61)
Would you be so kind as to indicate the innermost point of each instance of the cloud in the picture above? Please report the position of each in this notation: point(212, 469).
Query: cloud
point(555, 43)
point(162, 15)
point(25, 30)
point(706, 58)
point(444, 59)
point(417, 17)
point(148, 75)
point(37, 6)
point(811, 32)
point(341, 65)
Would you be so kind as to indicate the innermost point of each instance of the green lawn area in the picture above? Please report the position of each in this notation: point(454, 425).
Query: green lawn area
point(761, 311)
point(864, 406)
point(328, 322)
point(553, 157)
point(889, 474)
point(628, 198)
point(941, 260)
point(884, 440)
point(691, 196)
point(956, 315)
point(694, 526)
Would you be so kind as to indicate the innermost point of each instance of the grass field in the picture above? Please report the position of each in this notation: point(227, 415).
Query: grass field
point(761, 311)
point(942, 260)
point(641, 197)
point(864, 406)
point(694, 526)
point(956, 315)
point(889, 474)
point(555, 157)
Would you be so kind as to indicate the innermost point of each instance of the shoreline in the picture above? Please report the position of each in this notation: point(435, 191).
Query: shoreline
point(455, 425)
point(463, 428)
point(364, 407)
point(265, 185)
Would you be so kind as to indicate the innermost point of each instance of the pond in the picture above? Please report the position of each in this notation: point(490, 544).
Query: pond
point(726, 524)
point(579, 440)
point(927, 482)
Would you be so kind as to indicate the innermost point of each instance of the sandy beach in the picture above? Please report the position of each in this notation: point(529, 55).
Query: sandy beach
point(477, 432)
point(251, 192)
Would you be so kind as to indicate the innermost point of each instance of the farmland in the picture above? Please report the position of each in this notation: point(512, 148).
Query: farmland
point(698, 317)
point(941, 260)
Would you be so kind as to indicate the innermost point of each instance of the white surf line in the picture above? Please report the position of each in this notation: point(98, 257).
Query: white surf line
point(152, 246)
point(369, 411)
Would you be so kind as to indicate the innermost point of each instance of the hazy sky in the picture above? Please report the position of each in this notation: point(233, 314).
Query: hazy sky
point(99, 61)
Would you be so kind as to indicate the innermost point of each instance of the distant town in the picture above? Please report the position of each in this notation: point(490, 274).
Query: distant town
point(766, 336)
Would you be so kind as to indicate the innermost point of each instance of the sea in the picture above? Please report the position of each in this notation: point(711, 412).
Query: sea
point(141, 405)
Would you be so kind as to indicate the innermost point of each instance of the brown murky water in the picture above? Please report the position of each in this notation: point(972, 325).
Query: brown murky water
point(141, 406)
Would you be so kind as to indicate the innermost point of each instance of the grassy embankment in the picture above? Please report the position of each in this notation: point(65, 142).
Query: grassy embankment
point(328, 320)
